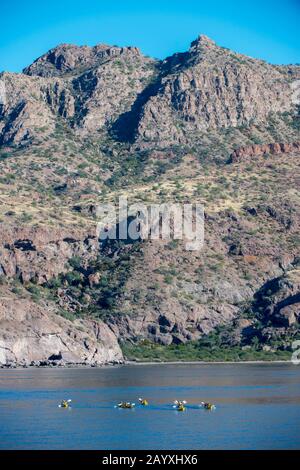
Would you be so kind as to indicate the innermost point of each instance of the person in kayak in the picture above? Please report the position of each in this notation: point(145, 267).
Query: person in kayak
point(143, 402)
point(180, 405)
point(208, 406)
point(125, 404)
point(65, 404)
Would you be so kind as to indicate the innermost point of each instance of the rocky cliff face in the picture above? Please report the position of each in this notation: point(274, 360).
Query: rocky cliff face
point(244, 153)
point(32, 332)
point(88, 88)
point(38, 255)
point(35, 335)
point(84, 125)
point(211, 88)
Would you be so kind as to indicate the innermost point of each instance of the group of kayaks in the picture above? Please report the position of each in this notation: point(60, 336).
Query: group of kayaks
point(130, 405)
point(179, 405)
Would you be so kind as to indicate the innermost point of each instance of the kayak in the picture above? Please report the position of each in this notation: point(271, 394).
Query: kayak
point(65, 404)
point(143, 402)
point(125, 405)
point(179, 405)
point(181, 408)
point(208, 406)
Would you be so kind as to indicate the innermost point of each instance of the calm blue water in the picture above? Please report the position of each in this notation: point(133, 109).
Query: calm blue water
point(258, 407)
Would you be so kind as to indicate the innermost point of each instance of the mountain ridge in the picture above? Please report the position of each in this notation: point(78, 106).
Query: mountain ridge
point(206, 88)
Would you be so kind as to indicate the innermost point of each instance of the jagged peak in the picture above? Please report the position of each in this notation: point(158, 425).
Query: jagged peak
point(202, 41)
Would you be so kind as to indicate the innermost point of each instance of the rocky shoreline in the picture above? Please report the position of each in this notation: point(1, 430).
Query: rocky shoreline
point(53, 364)
point(60, 365)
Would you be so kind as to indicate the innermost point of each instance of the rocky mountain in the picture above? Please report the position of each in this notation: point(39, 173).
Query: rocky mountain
point(85, 87)
point(82, 126)
point(211, 88)
point(139, 99)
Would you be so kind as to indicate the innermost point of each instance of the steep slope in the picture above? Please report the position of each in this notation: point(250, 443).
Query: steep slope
point(24, 115)
point(211, 88)
point(86, 88)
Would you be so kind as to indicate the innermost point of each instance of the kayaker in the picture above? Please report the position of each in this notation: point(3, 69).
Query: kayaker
point(208, 406)
point(65, 403)
point(180, 405)
point(126, 404)
point(143, 402)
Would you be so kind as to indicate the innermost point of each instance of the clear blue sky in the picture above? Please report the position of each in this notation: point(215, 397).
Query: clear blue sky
point(262, 28)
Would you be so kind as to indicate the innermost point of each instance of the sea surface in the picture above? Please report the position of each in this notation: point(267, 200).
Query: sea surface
point(257, 407)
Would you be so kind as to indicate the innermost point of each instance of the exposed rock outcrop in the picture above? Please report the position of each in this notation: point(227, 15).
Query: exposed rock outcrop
point(279, 300)
point(87, 88)
point(67, 58)
point(39, 254)
point(210, 87)
point(32, 334)
point(245, 153)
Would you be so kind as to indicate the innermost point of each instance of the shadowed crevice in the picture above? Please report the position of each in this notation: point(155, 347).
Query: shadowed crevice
point(124, 129)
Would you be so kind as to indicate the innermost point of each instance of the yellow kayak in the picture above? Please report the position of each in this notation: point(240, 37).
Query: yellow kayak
point(143, 402)
point(65, 404)
point(181, 408)
point(179, 405)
